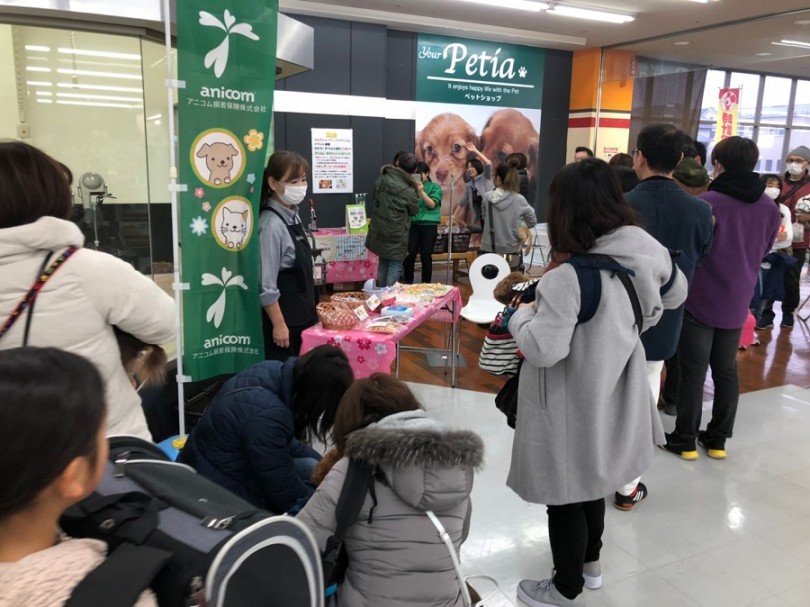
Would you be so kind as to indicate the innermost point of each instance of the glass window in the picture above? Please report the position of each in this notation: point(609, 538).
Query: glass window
point(799, 137)
point(749, 92)
point(715, 80)
point(771, 142)
point(95, 102)
point(775, 99)
point(801, 109)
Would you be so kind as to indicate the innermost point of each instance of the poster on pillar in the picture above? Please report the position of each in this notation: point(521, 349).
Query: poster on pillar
point(487, 94)
point(728, 111)
point(226, 57)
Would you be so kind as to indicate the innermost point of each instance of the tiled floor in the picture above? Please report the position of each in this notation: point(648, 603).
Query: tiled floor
point(711, 533)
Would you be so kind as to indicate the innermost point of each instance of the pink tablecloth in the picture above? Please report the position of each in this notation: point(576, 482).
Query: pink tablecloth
point(369, 351)
point(356, 270)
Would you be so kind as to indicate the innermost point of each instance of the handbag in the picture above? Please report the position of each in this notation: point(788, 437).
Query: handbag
point(499, 352)
point(507, 398)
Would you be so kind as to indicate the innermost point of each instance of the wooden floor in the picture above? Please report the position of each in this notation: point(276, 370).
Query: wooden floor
point(782, 358)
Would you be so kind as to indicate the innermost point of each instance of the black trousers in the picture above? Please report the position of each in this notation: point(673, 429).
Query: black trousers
point(792, 277)
point(575, 534)
point(699, 348)
point(421, 239)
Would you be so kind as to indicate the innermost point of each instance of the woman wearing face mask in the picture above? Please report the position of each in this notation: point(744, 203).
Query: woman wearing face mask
point(287, 292)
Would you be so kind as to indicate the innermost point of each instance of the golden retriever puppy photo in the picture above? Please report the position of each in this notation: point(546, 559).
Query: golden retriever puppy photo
point(441, 146)
point(509, 131)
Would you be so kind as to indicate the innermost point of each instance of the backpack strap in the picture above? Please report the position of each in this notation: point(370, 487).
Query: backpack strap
point(27, 302)
point(491, 226)
point(121, 578)
point(359, 480)
point(668, 285)
point(588, 269)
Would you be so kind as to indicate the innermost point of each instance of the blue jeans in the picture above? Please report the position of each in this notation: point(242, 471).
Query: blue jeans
point(303, 466)
point(388, 272)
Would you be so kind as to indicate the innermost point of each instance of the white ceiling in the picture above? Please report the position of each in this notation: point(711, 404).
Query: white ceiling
point(721, 33)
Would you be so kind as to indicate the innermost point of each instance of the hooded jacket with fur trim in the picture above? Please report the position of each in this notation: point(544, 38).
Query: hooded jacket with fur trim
point(395, 555)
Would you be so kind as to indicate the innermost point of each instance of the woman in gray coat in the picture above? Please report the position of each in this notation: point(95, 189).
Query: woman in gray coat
point(587, 423)
point(396, 558)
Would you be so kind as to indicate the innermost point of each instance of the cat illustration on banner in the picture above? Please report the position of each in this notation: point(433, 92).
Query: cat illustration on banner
point(232, 223)
point(233, 227)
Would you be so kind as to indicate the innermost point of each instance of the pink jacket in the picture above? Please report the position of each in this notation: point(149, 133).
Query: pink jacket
point(47, 578)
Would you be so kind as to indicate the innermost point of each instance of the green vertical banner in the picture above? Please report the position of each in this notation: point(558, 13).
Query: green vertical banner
point(227, 59)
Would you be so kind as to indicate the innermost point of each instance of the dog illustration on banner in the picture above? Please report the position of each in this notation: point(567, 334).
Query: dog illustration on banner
point(217, 157)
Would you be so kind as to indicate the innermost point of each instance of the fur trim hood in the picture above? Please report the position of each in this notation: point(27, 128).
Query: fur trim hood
point(427, 464)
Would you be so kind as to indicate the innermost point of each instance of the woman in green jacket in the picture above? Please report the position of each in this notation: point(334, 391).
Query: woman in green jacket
point(422, 235)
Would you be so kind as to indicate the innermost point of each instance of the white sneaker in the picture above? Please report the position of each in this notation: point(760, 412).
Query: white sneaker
point(545, 594)
point(592, 574)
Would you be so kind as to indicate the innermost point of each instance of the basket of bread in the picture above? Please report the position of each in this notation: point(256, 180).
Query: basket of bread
point(336, 316)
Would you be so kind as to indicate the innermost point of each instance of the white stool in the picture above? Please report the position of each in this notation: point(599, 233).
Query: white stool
point(482, 307)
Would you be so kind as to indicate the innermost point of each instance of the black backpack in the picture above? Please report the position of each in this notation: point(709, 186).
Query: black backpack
point(588, 268)
point(188, 539)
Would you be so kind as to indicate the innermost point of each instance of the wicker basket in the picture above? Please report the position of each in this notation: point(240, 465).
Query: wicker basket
point(336, 316)
point(350, 299)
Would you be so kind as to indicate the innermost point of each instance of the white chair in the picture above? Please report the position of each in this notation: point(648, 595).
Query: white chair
point(482, 307)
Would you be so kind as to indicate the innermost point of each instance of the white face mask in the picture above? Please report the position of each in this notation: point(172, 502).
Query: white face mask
point(773, 192)
point(293, 194)
point(795, 168)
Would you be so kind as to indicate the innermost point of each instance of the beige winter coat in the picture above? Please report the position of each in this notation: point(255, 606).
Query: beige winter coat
point(77, 308)
point(47, 578)
point(396, 559)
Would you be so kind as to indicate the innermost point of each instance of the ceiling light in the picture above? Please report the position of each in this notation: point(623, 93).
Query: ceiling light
point(762, 54)
point(523, 5)
point(102, 97)
point(96, 104)
point(44, 100)
point(802, 22)
point(71, 72)
point(45, 93)
point(792, 43)
point(796, 43)
point(38, 83)
point(34, 68)
point(586, 13)
point(35, 47)
point(89, 53)
point(682, 43)
point(99, 87)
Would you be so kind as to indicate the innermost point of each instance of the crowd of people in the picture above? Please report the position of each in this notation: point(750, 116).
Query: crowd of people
point(700, 254)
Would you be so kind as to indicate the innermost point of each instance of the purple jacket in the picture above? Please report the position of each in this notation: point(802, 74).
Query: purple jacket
point(746, 222)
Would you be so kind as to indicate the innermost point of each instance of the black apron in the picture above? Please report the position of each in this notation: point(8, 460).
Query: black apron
point(297, 294)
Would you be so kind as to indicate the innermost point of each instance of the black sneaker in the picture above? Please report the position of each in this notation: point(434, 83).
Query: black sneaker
point(787, 321)
point(626, 502)
point(710, 451)
point(763, 324)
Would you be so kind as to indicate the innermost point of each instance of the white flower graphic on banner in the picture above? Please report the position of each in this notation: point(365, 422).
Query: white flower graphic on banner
point(219, 56)
point(217, 310)
point(199, 225)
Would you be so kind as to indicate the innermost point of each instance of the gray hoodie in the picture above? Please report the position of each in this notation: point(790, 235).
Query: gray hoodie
point(508, 209)
point(397, 559)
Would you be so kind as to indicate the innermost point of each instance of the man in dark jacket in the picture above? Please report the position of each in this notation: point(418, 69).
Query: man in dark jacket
point(680, 222)
point(396, 200)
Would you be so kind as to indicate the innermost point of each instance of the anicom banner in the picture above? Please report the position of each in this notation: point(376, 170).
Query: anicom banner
point(226, 56)
point(487, 93)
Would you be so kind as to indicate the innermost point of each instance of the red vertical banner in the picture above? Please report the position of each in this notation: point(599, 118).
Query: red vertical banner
point(728, 111)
